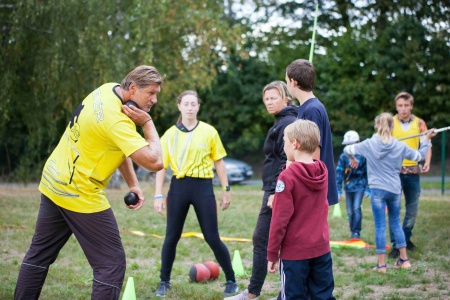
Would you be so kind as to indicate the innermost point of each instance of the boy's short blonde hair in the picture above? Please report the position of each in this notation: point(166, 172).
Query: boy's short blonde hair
point(306, 133)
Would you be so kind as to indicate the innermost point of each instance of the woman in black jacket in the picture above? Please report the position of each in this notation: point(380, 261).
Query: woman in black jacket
point(278, 103)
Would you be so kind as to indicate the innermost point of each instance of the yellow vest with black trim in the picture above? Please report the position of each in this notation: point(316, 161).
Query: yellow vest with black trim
point(399, 133)
point(192, 153)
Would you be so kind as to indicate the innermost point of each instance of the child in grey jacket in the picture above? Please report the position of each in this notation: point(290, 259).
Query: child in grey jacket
point(384, 155)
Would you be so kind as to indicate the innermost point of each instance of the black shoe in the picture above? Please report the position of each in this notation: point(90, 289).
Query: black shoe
point(410, 246)
point(163, 287)
point(395, 253)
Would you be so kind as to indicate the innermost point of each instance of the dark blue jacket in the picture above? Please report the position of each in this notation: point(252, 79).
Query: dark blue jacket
point(353, 179)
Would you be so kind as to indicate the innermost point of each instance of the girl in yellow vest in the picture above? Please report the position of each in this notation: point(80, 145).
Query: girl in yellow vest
point(190, 148)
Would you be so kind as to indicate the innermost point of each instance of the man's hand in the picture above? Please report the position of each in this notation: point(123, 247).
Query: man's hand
point(137, 191)
point(425, 168)
point(138, 116)
point(431, 133)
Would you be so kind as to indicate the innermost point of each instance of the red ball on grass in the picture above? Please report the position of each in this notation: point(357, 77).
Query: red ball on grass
point(199, 273)
point(214, 269)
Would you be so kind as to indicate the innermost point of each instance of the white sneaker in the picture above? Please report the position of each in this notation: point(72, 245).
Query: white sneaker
point(241, 296)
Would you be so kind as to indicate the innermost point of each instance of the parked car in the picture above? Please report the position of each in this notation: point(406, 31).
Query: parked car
point(237, 171)
point(145, 175)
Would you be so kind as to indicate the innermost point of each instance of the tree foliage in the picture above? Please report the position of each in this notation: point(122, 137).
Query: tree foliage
point(53, 53)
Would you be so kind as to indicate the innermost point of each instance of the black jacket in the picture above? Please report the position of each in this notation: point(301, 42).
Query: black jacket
point(275, 158)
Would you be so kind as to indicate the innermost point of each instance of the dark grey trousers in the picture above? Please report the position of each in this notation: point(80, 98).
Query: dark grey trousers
point(98, 235)
point(260, 241)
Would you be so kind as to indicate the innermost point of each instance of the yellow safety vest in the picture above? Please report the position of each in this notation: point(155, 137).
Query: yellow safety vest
point(399, 133)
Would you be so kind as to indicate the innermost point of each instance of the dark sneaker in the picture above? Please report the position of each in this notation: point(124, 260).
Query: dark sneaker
point(163, 287)
point(410, 246)
point(395, 253)
point(230, 288)
point(355, 235)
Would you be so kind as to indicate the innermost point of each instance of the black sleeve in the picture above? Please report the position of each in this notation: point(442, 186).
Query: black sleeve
point(278, 150)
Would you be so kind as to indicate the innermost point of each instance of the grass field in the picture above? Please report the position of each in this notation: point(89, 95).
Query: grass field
point(70, 277)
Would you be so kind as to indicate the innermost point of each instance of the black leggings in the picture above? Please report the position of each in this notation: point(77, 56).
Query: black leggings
point(198, 192)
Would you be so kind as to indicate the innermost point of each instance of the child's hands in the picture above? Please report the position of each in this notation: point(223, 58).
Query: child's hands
point(270, 200)
point(354, 163)
point(272, 267)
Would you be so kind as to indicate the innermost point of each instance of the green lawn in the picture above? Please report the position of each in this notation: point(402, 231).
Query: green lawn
point(70, 277)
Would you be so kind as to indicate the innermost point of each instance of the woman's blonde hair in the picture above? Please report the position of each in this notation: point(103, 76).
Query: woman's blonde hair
point(306, 133)
point(384, 124)
point(281, 87)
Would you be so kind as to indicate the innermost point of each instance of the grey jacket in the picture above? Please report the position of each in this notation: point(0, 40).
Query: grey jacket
point(384, 161)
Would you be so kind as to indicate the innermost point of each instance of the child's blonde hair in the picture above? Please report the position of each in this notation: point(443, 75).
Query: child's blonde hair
point(384, 124)
point(306, 133)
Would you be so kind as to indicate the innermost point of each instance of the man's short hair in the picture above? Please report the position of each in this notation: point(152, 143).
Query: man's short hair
point(142, 76)
point(306, 133)
point(406, 96)
point(303, 72)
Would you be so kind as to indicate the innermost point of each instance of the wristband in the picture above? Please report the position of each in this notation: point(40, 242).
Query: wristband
point(226, 188)
point(158, 197)
point(146, 122)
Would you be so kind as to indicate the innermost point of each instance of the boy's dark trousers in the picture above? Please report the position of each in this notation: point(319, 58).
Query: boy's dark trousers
point(307, 279)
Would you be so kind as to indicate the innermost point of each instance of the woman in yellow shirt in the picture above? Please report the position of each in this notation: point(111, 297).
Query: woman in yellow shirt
point(190, 148)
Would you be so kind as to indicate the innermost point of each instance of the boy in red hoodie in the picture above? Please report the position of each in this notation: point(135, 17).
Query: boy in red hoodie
point(299, 239)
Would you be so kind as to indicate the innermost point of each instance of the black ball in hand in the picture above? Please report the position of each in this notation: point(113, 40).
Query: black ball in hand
point(131, 198)
point(131, 103)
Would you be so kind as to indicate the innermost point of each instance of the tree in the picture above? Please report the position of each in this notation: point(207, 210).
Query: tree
point(54, 53)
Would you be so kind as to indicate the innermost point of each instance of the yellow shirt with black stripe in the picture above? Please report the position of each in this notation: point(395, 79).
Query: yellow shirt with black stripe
point(192, 153)
point(97, 140)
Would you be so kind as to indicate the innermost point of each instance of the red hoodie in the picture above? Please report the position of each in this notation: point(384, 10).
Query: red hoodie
point(299, 226)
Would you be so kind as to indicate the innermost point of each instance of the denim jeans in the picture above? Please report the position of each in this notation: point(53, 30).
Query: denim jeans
point(353, 201)
point(379, 199)
point(411, 190)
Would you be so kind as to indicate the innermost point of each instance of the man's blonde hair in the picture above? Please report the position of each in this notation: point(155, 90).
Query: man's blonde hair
point(142, 76)
point(406, 96)
point(306, 133)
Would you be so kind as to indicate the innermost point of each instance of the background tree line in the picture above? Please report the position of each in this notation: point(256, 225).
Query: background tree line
point(53, 53)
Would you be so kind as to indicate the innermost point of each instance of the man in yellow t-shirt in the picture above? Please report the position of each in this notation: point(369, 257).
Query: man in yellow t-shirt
point(100, 137)
point(407, 124)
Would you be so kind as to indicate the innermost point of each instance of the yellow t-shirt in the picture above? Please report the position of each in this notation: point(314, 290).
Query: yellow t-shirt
point(192, 153)
point(96, 141)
